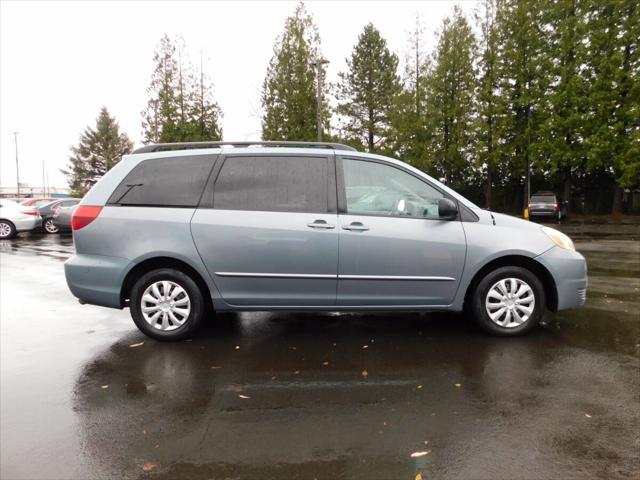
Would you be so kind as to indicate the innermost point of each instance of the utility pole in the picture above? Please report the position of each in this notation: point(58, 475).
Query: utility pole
point(15, 138)
point(318, 64)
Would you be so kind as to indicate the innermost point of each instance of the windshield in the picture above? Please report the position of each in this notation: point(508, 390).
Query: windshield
point(543, 199)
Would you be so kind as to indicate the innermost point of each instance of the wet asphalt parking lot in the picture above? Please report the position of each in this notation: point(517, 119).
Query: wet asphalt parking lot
point(276, 396)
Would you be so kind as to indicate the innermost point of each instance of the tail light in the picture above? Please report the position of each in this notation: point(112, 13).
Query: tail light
point(84, 215)
point(555, 205)
point(30, 211)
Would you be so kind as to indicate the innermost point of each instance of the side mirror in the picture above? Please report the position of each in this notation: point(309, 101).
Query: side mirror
point(447, 209)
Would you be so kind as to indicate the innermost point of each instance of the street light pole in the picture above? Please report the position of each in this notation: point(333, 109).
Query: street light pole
point(318, 64)
point(15, 138)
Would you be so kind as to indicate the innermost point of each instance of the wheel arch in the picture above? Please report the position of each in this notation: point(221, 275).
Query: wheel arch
point(162, 262)
point(535, 267)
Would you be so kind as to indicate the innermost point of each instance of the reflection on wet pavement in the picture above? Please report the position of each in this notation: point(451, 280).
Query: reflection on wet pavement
point(288, 395)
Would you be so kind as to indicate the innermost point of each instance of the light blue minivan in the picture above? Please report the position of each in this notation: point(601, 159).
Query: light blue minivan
point(176, 232)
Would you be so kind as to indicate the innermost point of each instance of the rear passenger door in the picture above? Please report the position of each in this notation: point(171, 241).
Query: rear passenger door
point(267, 231)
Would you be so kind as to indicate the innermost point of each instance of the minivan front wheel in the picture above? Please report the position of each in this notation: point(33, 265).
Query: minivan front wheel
point(509, 301)
point(166, 304)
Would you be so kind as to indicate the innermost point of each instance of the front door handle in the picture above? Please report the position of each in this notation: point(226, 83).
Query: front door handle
point(321, 224)
point(355, 227)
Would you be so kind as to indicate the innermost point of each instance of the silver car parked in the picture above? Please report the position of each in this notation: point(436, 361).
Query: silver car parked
point(180, 230)
point(15, 218)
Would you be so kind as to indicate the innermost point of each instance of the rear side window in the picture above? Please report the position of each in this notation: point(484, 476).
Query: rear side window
point(164, 182)
point(272, 183)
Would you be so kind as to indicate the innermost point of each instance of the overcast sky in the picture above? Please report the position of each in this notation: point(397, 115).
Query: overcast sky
point(61, 61)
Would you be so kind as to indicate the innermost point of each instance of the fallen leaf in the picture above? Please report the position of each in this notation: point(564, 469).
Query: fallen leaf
point(293, 348)
point(104, 387)
point(365, 374)
point(426, 442)
point(326, 364)
point(419, 387)
point(418, 477)
point(215, 367)
point(274, 377)
point(237, 347)
point(147, 467)
point(458, 385)
point(365, 346)
point(296, 372)
point(244, 396)
point(587, 415)
point(420, 454)
point(136, 345)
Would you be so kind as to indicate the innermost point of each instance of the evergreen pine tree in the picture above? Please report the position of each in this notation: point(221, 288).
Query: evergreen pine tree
point(98, 150)
point(289, 89)
point(524, 78)
point(160, 118)
point(613, 128)
point(367, 91)
point(451, 92)
point(411, 125)
point(488, 99)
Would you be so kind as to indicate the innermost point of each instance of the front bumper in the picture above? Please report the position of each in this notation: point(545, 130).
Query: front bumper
point(96, 279)
point(569, 271)
point(27, 223)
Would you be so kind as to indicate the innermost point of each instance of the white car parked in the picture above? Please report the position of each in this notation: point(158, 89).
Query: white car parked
point(17, 218)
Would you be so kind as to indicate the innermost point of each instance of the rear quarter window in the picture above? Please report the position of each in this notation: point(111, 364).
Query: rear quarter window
point(164, 182)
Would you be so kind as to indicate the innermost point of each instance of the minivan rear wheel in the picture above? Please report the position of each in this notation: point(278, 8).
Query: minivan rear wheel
point(508, 301)
point(166, 304)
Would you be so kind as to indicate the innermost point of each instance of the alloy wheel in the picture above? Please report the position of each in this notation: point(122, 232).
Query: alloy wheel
point(50, 227)
point(5, 230)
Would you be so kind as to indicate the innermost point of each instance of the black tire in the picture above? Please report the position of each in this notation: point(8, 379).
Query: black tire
point(7, 230)
point(195, 296)
point(481, 291)
point(49, 226)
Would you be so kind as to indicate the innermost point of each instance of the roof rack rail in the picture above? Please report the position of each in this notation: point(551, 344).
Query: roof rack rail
point(163, 147)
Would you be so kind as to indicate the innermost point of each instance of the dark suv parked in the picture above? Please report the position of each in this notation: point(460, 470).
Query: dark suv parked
point(547, 204)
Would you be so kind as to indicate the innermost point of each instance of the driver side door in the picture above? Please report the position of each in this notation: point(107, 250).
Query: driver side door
point(394, 250)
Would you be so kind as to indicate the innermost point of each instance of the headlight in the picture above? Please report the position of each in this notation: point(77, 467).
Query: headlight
point(559, 238)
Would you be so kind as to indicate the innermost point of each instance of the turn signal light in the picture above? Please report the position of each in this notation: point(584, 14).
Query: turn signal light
point(84, 215)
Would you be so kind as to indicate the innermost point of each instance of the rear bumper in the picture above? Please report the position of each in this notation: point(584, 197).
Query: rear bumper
point(569, 271)
point(27, 223)
point(96, 279)
point(543, 213)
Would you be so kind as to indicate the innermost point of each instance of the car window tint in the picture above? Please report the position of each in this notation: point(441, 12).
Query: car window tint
point(377, 189)
point(171, 182)
point(272, 183)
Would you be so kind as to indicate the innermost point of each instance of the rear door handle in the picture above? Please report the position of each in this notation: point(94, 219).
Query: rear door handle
point(355, 227)
point(321, 224)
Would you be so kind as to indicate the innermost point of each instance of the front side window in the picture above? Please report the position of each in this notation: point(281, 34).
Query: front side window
point(377, 189)
point(164, 182)
point(272, 183)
